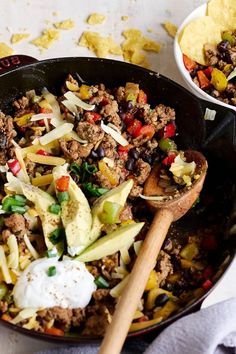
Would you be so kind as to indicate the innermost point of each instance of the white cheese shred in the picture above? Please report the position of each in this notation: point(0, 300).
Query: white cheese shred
point(115, 135)
point(209, 114)
point(72, 98)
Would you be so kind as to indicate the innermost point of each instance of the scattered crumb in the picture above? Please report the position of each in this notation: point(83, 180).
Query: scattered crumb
point(170, 28)
point(47, 22)
point(124, 18)
point(96, 19)
point(150, 30)
point(55, 13)
point(66, 25)
point(101, 46)
point(17, 37)
point(134, 45)
point(46, 39)
point(5, 51)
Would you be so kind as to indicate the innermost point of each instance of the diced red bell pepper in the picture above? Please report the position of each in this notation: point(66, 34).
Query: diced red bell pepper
point(45, 110)
point(208, 71)
point(134, 128)
point(124, 148)
point(147, 131)
point(62, 184)
point(209, 243)
point(14, 166)
point(104, 101)
point(204, 82)
point(189, 64)
point(142, 97)
point(207, 284)
point(43, 152)
point(128, 119)
point(169, 130)
point(169, 159)
point(93, 116)
point(208, 272)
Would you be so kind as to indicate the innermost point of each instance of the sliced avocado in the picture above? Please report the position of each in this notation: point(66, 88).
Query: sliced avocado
point(42, 202)
point(75, 214)
point(116, 195)
point(111, 243)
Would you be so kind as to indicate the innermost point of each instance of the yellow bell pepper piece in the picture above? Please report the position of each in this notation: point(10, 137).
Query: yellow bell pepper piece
point(172, 278)
point(218, 80)
point(166, 310)
point(85, 92)
point(152, 280)
point(44, 104)
point(42, 180)
point(190, 251)
point(23, 120)
point(141, 325)
point(185, 264)
point(104, 169)
point(72, 87)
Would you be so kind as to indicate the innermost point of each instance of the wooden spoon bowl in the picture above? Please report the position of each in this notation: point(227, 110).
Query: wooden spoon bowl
point(166, 211)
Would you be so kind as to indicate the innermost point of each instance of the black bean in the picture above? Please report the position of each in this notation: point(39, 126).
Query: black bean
point(130, 105)
point(100, 152)
point(147, 158)
point(94, 155)
point(223, 46)
point(161, 299)
point(130, 164)
point(227, 57)
point(134, 153)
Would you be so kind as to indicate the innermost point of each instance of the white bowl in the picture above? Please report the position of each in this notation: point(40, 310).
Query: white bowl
point(198, 12)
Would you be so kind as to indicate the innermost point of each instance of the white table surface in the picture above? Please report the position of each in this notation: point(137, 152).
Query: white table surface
point(33, 16)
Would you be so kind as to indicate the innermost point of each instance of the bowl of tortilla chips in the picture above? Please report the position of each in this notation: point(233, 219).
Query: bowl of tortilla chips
point(205, 51)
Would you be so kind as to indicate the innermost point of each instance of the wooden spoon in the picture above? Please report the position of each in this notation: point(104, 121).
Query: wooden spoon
point(165, 213)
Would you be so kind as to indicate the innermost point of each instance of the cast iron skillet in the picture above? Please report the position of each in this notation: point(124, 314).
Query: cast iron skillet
point(216, 139)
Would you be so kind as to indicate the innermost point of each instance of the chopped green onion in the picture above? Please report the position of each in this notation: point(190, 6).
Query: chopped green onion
point(92, 191)
point(3, 290)
point(75, 168)
point(57, 235)
point(101, 282)
point(55, 209)
point(10, 201)
point(51, 253)
point(63, 196)
point(20, 198)
point(18, 209)
point(52, 271)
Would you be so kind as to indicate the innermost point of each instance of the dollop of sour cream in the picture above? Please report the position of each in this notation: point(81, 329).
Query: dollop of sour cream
point(70, 287)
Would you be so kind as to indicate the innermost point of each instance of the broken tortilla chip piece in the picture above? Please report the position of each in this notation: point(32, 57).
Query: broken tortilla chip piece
point(5, 51)
point(134, 45)
point(96, 19)
point(196, 34)
point(17, 37)
point(223, 12)
point(170, 28)
point(46, 39)
point(101, 46)
point(66, 25)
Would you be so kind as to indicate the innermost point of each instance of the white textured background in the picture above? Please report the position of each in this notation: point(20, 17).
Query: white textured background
point(33, 16)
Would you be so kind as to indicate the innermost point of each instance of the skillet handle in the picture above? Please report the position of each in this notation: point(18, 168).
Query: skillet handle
point(14, 61)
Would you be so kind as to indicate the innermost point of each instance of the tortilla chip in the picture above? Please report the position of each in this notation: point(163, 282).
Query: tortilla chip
point(196, 34)
point(46, 39)
point(17, 37)
point(223, 12)
point(5, 51)
point(170, 28)
point(66, 25)
point(101, 46)
point(96, 19)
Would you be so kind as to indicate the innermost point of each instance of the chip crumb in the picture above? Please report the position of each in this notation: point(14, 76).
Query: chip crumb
point(17, 37)
point(46, 39)
point(150, 30)
point(66, 25)
point(124, 18)
point(55, 13)
point(134, 45)
point(170, 28)
point(96, 19)
point(5, 50)
point(101, 46)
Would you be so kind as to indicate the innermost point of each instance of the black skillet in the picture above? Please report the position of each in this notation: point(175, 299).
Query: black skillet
point(216, 139)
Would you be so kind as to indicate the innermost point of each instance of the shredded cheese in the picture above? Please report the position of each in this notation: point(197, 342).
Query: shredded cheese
point(56, 133)
point(74, 136)
point(40, 116)
point(70, 96)
point(42, 180)
point(51, 99)
point(13, 258)
point(115, 135)
point(24, 315)
point(117, 290)
point(31, 249)
point(24, 176)
point(70, 106)
point(46, 160)
point(4, 267)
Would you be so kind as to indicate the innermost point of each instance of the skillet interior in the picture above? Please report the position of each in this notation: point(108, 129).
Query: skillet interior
point(215, 138)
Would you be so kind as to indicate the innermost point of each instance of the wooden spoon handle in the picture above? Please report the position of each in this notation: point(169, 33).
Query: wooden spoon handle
point(129, 300)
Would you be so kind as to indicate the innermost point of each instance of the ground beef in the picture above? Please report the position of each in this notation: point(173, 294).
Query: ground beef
point(110, 112)
point(120, 94)
point(103, 181)
point(164, 266)
point(90, 132)
point(135, 191)
point(7, 133)
point(78, 317)
point(142, 171)
point(107, 265)
point(109, 145)
point(59, 314)
point(74, 150)
point(100, 294)
point(16, 223)
point(21, 103)
point(5, 234)
point(159, 116)
point(126, 213)
point(98, 320)
point(211, 54)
